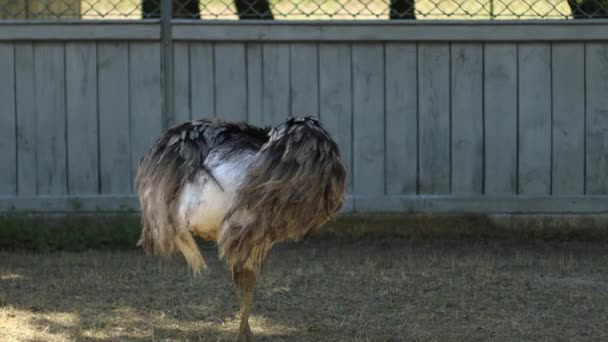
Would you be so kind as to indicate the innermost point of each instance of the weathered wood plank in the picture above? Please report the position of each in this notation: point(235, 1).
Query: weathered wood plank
point(434, 204)
point(114, 128)
point(96, 204)
point(78, 30)
point(145, 94)
point(534, 147)
point(335, 107)
point(230, 81)
point(467, 118)
point(49, 87)
point(597, 118)
point(8, 138)
point(500, 124)
point(368, 119)
point(290, 31)
point(328, 31)
point(385, 30)
point(276, 79)
point(26, 119)
point(181, 82)
point(81, 106)
point(254, 83)
point(202, 104)
point(507, 204)
point(568, 69)
point(434, 116)
point(304, 79)
point(401, 92)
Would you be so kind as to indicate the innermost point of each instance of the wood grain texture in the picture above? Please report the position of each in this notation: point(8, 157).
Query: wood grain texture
point(81, 98)
point(368, 119)
point(597, 118)
point(231, 81)
point(508, 204)
point(500, 125)
point(254, 83)
point(26, 119)
point(401, 93)
point(568, 70)
point(202, 100)
point(467, 118)
point(114, 122)
point(304, 88)
point(504, 31)
point(8, 137)
point(276, 104)
point(74, 31)
point(145, 94)
point(534, 129)
point(335, 107)
point(434, 118)
point(181, 82)
point(50, 107)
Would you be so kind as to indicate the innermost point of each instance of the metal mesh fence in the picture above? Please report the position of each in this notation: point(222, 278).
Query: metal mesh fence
point(307, 9)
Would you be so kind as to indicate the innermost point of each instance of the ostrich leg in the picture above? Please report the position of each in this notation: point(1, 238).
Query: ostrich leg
point(244, 281)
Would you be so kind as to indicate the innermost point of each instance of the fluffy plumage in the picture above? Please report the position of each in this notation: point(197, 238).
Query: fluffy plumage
point(245, 187)
point(295, 183)
point(179, 164)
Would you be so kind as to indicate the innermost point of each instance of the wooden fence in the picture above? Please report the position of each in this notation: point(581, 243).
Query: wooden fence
point(430, 117)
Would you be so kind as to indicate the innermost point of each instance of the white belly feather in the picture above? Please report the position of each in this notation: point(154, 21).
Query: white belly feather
point(202, 203)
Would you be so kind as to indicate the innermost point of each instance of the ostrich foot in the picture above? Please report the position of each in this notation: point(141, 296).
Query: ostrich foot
point(245, 335)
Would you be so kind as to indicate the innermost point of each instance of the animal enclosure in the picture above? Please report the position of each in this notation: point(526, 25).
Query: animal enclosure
point(430, 116)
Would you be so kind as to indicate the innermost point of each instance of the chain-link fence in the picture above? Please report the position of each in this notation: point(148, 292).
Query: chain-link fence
point(307, 9)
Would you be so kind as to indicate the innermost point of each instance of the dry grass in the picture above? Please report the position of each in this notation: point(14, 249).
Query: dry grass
point(370, 288)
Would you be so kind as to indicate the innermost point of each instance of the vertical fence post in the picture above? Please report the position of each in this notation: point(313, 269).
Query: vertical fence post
point(166, 15)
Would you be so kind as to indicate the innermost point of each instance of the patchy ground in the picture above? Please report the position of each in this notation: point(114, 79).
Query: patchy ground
point(327, 289)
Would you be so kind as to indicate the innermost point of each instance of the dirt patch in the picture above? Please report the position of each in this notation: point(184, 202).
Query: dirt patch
point(371, 288)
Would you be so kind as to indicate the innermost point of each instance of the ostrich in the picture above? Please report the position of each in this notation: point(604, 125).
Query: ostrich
point(245, 187)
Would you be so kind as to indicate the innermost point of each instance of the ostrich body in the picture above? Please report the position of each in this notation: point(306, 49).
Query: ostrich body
point(247, 188)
